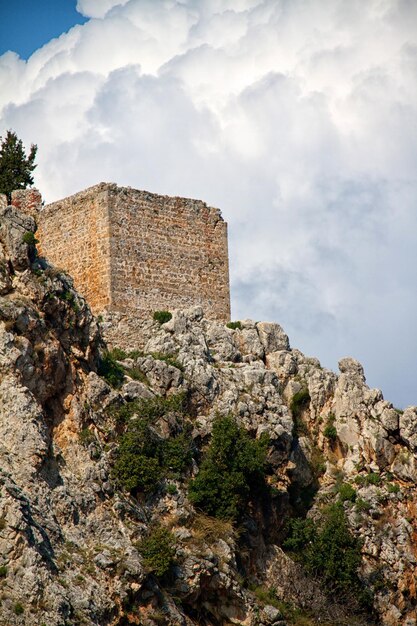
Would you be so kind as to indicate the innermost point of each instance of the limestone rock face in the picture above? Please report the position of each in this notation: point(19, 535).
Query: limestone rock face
point(14, 226)
point(27, 201)
point(272, 337)
point(71, 536)
point(408, 427)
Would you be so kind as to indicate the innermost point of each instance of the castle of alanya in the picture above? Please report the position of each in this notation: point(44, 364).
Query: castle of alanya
point(132, 252)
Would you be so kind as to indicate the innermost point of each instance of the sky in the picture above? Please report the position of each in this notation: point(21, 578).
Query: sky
point(297, 118)
point(24, 29)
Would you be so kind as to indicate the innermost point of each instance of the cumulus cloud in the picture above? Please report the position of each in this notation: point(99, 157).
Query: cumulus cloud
point(298, 119)
point(97, 8)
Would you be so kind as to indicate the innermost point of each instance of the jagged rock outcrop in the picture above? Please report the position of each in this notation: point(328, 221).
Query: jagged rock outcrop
point(70, 535)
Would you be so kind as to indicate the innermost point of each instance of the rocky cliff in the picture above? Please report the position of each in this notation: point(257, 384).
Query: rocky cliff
point(102, 517)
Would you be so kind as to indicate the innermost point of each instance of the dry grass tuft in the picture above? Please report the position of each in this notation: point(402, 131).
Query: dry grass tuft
point(208, 529)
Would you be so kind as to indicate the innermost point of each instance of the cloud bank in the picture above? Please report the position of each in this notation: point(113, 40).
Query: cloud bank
point(298, 119)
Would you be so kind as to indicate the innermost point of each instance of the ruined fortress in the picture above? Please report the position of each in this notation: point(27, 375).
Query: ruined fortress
point(133, 252)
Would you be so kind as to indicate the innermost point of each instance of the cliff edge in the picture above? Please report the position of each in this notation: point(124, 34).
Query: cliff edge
point(216, 477)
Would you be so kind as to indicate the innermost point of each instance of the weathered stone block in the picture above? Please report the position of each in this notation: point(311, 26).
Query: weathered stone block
point(28, 201)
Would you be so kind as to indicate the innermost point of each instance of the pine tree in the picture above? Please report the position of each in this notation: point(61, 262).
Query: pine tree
point(15, 167)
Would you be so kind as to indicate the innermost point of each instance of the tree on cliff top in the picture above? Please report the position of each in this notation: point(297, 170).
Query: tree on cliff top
point(15, 167)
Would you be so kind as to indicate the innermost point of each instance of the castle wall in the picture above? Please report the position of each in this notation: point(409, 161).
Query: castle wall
point(167, 253)
point(74, 235)
point(131, 252)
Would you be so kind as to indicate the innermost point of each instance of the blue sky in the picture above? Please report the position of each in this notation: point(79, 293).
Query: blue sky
point(297, 119)
point(26, 25)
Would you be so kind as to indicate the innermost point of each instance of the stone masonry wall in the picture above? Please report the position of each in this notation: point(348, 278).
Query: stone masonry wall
point(131, 252)
point(167, 253)
point(74, 235)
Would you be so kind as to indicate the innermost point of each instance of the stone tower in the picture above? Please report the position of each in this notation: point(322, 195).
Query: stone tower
point(133, 252)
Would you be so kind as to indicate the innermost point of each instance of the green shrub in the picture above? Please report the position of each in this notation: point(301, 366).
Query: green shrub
point(231, 473)
point(143, 457)
point(124, 412)
point(135, 354)
point(118, 354)
point(137, 466)
point(29, 238)
point(317, 462)
point(177, 453)
point(68, 296)
point(18, 608)
point(301, 533)
point(329, 550)
point(300, 428)
point(300, 401)
point(171, 489)
point(137, 472)
point(234, 325)
point(369, 479)
point(373, 479)
point(266, 595)
point(393, 488)
point(86, 436)
point(162, 316)
point(362, 505)
point(155, 408)
point(3, 571)
point(111, 371)
point(347, 493)
point(137, 374)
point(158, 551)
point(149, 409)
point(330, 431)
point(170, 359)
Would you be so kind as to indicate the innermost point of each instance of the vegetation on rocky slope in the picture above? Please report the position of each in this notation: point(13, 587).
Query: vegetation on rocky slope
point(329, 550)
point(143, 456)
point(223, 478)
point(232, 472)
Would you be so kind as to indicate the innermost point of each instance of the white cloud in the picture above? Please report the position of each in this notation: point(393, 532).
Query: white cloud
point(98, 8)
point(297, 118)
